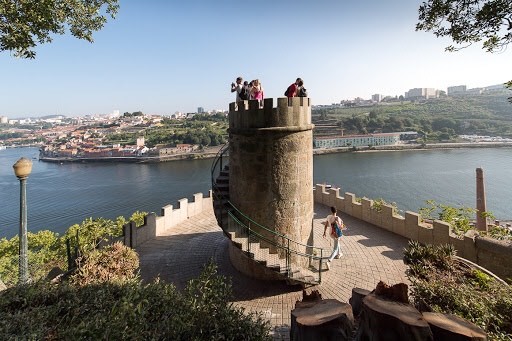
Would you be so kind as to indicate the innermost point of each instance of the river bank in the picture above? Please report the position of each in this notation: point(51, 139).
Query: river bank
point(400, 147)
point(212, 152)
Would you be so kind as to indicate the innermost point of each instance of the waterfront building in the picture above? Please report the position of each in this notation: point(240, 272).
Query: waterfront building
point(380, 139)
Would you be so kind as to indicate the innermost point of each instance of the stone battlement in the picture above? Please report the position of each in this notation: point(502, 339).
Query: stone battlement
point(494, 255)
point(290, 113)
point(154, 225)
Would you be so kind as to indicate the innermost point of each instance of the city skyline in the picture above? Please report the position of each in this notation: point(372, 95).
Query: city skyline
point(162, 57)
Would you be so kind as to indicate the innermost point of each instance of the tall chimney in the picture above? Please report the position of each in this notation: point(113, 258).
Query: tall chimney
point(481, 222)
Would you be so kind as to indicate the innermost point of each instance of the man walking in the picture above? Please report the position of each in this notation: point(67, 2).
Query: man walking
point(329, 224)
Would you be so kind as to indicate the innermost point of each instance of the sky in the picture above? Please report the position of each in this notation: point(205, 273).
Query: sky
point(164, 56)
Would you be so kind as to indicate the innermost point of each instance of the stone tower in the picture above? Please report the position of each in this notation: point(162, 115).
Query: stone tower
point(271, 164)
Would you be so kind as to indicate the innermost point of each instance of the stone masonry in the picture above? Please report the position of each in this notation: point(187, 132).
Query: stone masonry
point(271, 164)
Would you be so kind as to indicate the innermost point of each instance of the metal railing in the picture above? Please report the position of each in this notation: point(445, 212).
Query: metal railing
point(297, 261)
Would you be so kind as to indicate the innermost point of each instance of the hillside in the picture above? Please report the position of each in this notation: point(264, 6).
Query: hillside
point(486, 114)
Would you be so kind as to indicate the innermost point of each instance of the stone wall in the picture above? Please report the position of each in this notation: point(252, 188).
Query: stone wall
point(155, 225)
point(271, 165)
point(494, 255)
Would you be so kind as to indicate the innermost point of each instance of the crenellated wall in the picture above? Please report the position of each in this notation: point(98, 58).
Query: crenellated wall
point(155, 225)
point(494, 255)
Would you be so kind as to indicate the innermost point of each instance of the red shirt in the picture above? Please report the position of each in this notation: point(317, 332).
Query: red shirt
point(292, 90)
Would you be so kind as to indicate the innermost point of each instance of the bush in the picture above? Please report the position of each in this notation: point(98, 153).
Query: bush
point(47, 249)
point(114, 263)
point(459, 218)
point(127, 311)
point(441, 283)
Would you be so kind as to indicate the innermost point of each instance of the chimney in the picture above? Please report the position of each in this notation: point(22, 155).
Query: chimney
point(481, 222)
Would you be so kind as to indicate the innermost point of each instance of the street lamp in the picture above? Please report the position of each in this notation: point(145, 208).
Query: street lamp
point(22, 169)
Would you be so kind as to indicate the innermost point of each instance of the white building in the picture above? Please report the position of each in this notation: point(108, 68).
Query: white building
point(454, 90)
point(418, 93)
point(382, 139)
point(377, 98)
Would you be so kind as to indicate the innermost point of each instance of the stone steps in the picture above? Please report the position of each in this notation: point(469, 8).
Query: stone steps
point(265, 255)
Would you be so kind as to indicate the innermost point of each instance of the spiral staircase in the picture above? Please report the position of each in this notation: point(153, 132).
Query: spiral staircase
point(270, 249)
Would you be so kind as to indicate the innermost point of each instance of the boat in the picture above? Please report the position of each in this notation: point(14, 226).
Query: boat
point(3, 147)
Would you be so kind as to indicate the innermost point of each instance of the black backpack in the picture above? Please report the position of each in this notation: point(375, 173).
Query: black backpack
point(287, 91)
point(243, 94)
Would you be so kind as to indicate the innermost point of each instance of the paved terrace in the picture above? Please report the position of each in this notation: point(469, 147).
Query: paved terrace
point(370, 254)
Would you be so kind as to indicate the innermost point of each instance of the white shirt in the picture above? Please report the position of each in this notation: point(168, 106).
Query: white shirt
point(330, 220)
point(238, 88)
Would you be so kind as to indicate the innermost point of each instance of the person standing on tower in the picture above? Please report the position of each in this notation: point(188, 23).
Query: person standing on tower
point(238, 88)
point(292, 89)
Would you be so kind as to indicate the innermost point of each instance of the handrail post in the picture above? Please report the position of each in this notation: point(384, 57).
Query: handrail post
point(288, 258)
point(249, 237)
point(320, 266)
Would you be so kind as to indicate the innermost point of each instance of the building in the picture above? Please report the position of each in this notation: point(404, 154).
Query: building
point(381, 139)
point(377, 98)
point(421, 93)
point(455, 90)
point(200, 110)
point(3, 120)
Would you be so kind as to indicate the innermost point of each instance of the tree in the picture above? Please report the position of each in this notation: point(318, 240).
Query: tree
point(26, 23)
point(467, 22)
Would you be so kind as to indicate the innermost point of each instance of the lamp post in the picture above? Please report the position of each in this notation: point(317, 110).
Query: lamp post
point(22, 169)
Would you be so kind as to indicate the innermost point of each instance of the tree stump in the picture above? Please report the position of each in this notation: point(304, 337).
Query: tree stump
point(453, 328)
point(382, 319)
point(321, 320)
point(356, 301)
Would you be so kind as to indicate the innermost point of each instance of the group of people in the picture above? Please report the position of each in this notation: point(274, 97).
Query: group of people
point(253, 90)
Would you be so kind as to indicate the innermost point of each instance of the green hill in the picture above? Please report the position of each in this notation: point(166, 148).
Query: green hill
point(486, 114)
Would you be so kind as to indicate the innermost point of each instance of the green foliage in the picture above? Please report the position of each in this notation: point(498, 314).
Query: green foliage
point(47, 249)
point(467, 22)
point(91, 232)
point(442, 284)
point(499, 233)
point(378, 203)
point(458, 217)
point(128, 311)
point(437, 119)
point(26, 23)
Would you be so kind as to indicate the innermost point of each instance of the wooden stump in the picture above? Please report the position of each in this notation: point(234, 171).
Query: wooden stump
point(356, 301)
point(321, 320)
point(453, 328)
point(382, 319)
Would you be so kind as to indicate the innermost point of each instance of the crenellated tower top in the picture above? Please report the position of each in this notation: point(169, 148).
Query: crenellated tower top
point(290, 114)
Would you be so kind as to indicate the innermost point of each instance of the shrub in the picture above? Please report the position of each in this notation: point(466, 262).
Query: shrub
point(114, 263)
point(127, 311)
point(47, 249)
point(459, 218)
point(441, 283)
point(378, 203)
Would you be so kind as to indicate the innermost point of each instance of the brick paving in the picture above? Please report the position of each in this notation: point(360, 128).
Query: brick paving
point(370, 254)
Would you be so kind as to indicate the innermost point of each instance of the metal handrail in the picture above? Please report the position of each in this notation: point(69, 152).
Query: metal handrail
point(272, 241)
point(271, 231)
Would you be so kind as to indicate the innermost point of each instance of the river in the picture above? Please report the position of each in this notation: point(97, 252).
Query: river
point(60, 195)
